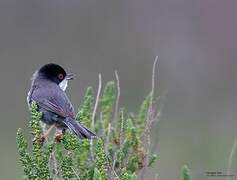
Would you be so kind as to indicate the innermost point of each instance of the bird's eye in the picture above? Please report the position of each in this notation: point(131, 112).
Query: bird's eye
point(60, 76)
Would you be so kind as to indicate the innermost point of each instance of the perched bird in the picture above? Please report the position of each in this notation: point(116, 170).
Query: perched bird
point(48, 91)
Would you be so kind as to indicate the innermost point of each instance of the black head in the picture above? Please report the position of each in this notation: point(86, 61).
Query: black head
point(53, 72)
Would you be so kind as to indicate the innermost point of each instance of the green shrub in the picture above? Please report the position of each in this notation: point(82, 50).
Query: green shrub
point(119, 151)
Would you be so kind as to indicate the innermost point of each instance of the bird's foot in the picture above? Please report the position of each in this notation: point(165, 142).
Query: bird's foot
point(44, 136)
point(41, 139)
point(58, 137)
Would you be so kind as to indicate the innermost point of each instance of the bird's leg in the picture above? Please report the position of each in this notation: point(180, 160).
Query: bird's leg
point(46, 134)
point(59, 135)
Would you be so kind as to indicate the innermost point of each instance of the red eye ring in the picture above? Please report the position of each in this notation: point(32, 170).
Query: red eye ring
point(60, 76)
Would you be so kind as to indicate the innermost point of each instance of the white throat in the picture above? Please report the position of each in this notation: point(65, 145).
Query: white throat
point(63, 84)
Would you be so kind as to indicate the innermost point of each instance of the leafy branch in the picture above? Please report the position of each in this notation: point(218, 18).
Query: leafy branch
point(121, 151)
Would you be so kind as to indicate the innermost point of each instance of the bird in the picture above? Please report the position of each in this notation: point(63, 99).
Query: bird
point(47, 90)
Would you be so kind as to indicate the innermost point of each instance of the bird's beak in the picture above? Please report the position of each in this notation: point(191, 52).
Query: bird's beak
point(70, 76)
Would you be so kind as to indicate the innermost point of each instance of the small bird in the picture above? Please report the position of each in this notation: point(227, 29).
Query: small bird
point(48, 91)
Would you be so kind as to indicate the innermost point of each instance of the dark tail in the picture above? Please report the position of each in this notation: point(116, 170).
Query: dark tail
point(81, 131)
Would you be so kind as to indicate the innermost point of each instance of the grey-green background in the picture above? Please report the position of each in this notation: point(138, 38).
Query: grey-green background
point(196, 42)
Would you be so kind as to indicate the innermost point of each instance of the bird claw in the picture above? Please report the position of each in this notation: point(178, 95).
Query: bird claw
point(58, 137)
point(44, 136)
point(40, 139)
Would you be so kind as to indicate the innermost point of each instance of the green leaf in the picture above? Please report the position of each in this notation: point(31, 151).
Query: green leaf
point(152, 159)
point(185, 173)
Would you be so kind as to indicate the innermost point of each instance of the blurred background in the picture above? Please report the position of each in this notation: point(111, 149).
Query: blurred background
point(196, 43)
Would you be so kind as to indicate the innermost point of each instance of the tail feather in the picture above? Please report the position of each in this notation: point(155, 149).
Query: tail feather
point(81, 131)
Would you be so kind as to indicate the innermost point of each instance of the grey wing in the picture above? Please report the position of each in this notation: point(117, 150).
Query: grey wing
point(53, 99)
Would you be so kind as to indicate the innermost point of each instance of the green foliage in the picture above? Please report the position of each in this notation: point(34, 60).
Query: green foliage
point(101, 161)
point(129, 176)
point(67, 165)
point(117, 153)
point(85, 113)
point(35, 164)
point(142, 114)
point(107, 102)
point(185, 173)
point(152, 159)
point(25, 158)
point(36, 128)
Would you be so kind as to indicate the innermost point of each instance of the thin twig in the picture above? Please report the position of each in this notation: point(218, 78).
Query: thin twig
point(233, 149)
point(55, 166)
point(153, 80)
point(118, 96)
point(121, 137)
point(74, 171)
point(91, 150)
point(52, 158)
point(116, 117)
point(111, 166)
point(156, 115)
point(150, 109)
point(149, 120)
point(96, 102)
point(93, 115)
